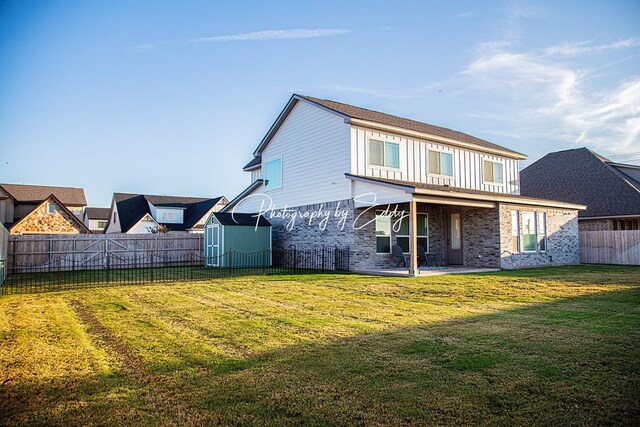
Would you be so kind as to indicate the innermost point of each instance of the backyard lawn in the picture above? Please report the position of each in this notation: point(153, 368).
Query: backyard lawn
point(534, 347)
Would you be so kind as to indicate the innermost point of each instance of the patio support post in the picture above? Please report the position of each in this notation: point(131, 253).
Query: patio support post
point(413, 238)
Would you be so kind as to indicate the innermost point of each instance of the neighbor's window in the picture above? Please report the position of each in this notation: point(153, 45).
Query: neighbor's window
point(528, 231)
point(515, 231)
point(402, 236)
point(51, 208)
point(273, 174)
point(626, 224)
point(493, 172)
point(440, 163)
point(383, 233)
point(170, 216)
point(114, 217)
point(77, 211)
point(385, 154)
point(542, 231)
point(102, 224)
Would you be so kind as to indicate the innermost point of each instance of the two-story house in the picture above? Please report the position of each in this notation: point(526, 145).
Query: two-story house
point(42, 209)
point(143, 213)
point(332, 174)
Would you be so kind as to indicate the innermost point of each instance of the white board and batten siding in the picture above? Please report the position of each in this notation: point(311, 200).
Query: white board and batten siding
point(467, 164)
point(314, 146)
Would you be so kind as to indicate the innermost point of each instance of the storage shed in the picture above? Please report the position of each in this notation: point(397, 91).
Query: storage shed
point(237, 240)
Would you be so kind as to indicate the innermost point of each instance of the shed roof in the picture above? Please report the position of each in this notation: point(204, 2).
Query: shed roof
point(246, 219)
point(582, 176)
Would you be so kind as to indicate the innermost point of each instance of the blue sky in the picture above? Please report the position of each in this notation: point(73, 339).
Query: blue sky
point(172, 97)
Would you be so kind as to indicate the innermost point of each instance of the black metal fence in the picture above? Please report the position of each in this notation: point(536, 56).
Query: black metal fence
point(104, 270)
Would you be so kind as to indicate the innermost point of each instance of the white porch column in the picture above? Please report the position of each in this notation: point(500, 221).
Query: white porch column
point(413, 238)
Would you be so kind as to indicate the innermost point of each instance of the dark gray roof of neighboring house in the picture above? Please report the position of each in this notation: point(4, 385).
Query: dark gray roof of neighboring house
point(582, 176)
point(247, 219)
point(97, 213)
point(132, 207)
point(256, 161)
point(388, 119)
point(68, 196)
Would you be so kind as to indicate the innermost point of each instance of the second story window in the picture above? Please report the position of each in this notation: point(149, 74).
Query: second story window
point(51, 208)
point(440, 163)
point(493, 172)
point(273, 174)
point(386, 154)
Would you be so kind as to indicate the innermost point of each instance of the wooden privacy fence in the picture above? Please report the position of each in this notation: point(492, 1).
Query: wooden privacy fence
point(95, 251)
point(610, 247)
point(4, 247)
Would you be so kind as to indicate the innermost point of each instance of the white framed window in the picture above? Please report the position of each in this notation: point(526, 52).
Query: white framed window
point(273, 174)
point(529, 233)
point(51, 208)
point(492, 172)
point(515, 231)
point(440, 163)
point(169, 216)
point(102, 224)
point(383, 233)
point(384, 154)
point(402, 236)
point(542, 231)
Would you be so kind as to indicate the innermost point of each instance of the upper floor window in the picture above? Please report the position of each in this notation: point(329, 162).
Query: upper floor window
point(102, 224)
point(77, 211)
point(493, 172)
point(440, 163)
point(51, 208)
point(385, 154)
point(273, 174)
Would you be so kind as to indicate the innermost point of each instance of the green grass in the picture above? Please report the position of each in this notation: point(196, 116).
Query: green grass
point(548, 346)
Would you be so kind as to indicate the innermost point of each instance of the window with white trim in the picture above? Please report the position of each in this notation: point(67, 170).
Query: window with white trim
point(493, 172)
point(383, 153)
point(515, 231)
point(542, 231)
point(383, 233)
point(273, 174)
point(529, 231)
point(102, 224)
point(440, 163)
point(51, 208)
point(402, 236)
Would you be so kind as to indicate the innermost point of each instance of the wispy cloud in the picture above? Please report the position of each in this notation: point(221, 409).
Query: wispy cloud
point(274, 35)
point(577, 48)
point(467, 14)
point(544, 97)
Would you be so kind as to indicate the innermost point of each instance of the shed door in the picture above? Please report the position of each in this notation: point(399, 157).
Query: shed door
point(212, 251)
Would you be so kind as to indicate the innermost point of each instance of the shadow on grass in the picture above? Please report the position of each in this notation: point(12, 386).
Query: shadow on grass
point(572, 361)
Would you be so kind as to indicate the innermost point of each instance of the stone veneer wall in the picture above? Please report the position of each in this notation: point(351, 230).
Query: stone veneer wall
point(40, 221)
point(595, 225)
point(562, 239)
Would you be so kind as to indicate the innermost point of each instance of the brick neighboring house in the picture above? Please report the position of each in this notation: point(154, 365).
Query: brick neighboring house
point(22, 209)
point(456, 196)
point(141, 213)
point(611, 191)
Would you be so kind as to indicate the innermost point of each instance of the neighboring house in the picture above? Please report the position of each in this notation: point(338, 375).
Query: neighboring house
point(381, 180)
point(96, 219)
point(50, 217)
point(611, 191)
point(140, 213)
point(18, 201)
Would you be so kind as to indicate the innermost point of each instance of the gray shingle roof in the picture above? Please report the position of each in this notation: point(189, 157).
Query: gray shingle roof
point(254, 162)
point(247, 219)
point(388, 119)
point(68, 196)
point(584, 177)
point(97, 213)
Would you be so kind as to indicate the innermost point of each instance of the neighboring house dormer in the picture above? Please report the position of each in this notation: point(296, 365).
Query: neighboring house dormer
point(140, 213)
